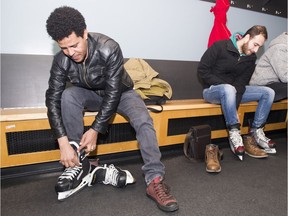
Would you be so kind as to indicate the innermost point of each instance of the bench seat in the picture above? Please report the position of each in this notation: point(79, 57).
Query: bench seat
point(26, 137)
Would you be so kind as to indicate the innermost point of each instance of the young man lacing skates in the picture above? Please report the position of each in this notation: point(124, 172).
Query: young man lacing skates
point(225, 70)
point(93, 64)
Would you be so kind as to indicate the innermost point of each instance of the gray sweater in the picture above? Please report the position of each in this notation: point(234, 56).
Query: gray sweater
point(272, 66)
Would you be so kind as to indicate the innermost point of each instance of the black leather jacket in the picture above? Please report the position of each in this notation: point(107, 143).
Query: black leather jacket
point(103, 72)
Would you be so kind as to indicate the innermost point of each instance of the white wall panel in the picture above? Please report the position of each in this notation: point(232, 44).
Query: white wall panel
point(151, 29)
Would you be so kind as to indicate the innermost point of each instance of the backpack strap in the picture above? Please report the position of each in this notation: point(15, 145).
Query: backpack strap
point(186, 145)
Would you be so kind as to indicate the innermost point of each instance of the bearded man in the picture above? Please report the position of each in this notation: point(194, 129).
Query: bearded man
point(225, 70)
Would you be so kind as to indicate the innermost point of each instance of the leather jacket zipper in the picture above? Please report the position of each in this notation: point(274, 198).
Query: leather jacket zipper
point(84, 75)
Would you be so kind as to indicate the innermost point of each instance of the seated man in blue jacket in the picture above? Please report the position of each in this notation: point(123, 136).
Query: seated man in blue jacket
point(225, 70)
point(93, 64)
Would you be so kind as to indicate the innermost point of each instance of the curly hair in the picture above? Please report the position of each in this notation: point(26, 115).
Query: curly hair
point(63, 21)
point(256, 30)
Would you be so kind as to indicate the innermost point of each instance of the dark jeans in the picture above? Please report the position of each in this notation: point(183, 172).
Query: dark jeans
point(75, 100)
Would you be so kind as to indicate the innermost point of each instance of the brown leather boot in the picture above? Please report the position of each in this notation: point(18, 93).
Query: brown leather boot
point(252, 149)
point(212, 157)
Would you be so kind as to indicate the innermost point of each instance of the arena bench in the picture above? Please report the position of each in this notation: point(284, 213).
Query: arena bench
point(26, 137)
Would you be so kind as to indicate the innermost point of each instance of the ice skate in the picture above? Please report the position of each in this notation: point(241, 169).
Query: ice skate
point(111, 175)
point(236, 143)
point(75, 178)
point(262, 141)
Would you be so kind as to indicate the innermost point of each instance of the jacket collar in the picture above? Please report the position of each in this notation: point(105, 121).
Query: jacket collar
point(231, 47)
point(234, 38)
point(90, 46)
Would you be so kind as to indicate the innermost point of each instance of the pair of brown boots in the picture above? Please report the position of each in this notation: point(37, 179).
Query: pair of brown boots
point(213, 155)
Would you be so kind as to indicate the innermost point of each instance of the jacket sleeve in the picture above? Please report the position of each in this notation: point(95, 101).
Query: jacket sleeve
point(279, 61)
point(206, 64)
point(113, 85)
point(56, 86)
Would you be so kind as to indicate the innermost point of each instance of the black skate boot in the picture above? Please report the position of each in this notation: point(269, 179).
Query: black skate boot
point(72, 177)
point(111, 175)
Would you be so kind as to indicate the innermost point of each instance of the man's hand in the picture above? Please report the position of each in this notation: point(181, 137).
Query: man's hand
point(89, 141)
point(69, 157)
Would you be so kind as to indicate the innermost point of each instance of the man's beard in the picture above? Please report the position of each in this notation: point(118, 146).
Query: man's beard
point(245, 49)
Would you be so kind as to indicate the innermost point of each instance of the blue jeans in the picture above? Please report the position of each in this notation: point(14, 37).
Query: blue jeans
point(75, 100)
point(225, 94)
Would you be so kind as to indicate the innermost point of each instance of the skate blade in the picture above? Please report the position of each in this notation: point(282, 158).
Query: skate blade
point(66, 194)
point(92, 179)
point(232, 149)
point(270, 150)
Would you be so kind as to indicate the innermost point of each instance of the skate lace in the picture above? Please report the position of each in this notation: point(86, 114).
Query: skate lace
point(71, 172)
point(111, 175)
point(261, 135)
point(236, 138)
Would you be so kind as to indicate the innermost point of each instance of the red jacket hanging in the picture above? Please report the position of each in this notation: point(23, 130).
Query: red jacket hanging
point(219, 30)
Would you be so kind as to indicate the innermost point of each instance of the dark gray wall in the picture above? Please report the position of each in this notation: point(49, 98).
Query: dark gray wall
point(181, 75)
point(24, 79)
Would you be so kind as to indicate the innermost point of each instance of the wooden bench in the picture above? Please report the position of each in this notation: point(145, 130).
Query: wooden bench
point(24, 130)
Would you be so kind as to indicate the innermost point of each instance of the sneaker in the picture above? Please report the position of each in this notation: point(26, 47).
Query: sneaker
point(252, 149)
point(236, 143)
point(72, 176)
point(111, 175)
point(212, 157)
point(265, 143)
point(158, 192)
